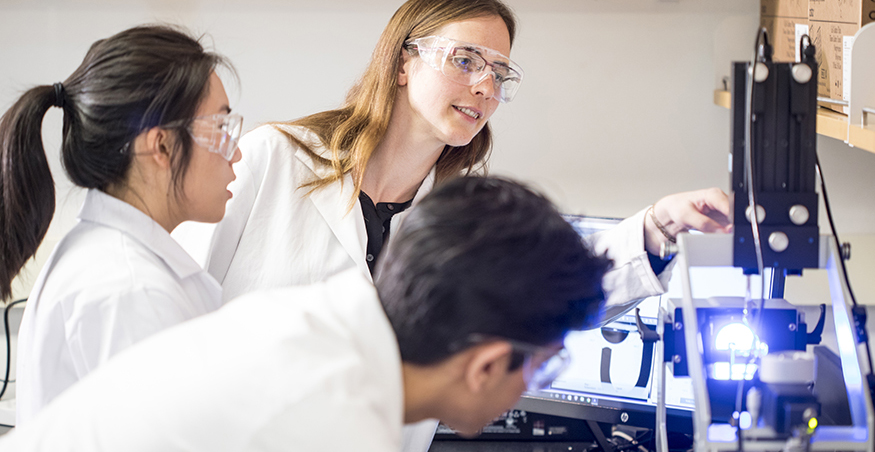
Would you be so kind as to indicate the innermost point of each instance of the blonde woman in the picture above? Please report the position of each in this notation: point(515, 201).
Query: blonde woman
point(323, 193)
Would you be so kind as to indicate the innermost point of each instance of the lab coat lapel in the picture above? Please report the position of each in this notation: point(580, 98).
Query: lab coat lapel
point(347, 224)
point(424, 188)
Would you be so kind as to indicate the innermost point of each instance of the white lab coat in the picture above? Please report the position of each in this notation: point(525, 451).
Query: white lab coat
point(275, 234)
point(307, 368)
point(114, 279)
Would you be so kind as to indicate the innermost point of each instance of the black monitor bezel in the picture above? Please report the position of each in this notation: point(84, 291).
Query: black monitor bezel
point(609, 410)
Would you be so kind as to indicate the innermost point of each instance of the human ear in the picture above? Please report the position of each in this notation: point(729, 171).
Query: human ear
point(404, 69)
point(488, 366)
point(159, 145)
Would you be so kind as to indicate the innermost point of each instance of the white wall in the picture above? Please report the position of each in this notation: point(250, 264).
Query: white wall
point(616, 109)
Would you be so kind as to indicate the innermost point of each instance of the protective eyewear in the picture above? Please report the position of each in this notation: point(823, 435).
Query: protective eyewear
point(217, 133)
point(541, 365)
point(469, 64)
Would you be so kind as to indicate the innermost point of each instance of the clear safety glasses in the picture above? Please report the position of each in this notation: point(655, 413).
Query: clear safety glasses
point(541, 365)
point(217, 133)
point(468, 64)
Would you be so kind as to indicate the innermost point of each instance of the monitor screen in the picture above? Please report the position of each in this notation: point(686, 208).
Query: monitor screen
point(610, 377)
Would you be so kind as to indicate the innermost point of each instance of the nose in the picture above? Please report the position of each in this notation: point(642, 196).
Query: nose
point(237, 155)
point(485, 86)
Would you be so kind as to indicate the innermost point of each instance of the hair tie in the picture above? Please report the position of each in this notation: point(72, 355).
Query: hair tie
point(60, 95)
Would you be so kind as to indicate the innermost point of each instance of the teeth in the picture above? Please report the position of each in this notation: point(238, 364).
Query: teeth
point(469, 112)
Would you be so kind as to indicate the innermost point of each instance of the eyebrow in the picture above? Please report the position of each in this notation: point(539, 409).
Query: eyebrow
point(472, 49)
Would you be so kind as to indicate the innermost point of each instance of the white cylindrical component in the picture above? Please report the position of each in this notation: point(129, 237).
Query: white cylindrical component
point(801, 73)
point(778, 241)
point(754, 402)
point(761, 214)
point(788, 368)
point(762, 72)
point(799, 213)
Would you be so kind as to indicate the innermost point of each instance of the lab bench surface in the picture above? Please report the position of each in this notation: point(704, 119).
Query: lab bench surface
point(507, 446)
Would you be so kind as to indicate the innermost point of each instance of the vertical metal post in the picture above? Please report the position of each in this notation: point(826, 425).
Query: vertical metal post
point(702, 414)
point(853, 361)
point(659, 380)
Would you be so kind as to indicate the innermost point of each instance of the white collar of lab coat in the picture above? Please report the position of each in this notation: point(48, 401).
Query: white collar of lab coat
point(347, 224)
point(425, 187)
point(308, 137)
point(106, 210)
point(323, 171)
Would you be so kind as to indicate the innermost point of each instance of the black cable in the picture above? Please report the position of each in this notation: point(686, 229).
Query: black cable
point(748, 153)
point(832, 226)
point(835, 236)
point(753, 217)
point(8, 344)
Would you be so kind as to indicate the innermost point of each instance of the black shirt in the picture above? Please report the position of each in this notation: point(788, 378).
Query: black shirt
point(378, 218)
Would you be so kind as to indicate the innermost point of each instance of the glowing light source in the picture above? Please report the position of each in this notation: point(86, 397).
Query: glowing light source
point(738, 339)
point(734, 336)
point(737, 371)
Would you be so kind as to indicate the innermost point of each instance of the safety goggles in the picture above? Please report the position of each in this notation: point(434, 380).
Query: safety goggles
point(468, 64)
point(217, 133)
point(541, 365)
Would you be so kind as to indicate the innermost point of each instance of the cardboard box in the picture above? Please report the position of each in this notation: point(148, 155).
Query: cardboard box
point(833, 41)
point(833, 24)
point(859, 12)
point(786, 21)
point(784, 35)
point(784, 8)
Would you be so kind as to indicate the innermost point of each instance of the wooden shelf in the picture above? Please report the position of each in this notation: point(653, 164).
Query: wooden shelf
point(829, 124)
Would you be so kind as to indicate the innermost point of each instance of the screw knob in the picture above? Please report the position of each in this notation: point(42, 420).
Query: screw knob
point(778, 241)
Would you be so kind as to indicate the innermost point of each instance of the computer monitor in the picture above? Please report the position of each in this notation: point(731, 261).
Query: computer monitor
point(610, 378)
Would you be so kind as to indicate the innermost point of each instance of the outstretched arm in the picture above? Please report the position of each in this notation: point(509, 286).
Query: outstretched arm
point(705, 210)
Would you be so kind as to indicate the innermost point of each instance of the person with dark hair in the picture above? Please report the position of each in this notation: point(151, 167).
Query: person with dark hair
point(469, 308)
point(147, 130)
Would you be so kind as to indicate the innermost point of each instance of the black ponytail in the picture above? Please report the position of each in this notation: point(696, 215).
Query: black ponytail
point(27, 191)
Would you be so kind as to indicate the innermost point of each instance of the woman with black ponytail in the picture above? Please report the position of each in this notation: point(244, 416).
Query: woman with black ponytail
point(147, 130)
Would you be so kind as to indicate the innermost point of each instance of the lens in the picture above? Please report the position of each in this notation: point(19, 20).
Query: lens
point(548, 371)
point(464, 63)
point(508, 91)
point(469, 68)
point(231, 128)
point(507, 81)
point(218, 133)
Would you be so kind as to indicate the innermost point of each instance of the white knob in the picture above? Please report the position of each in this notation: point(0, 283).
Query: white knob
point(761, 214)
point(762, 72)
point(801, 73)
point(778, 241)
point(799, 214)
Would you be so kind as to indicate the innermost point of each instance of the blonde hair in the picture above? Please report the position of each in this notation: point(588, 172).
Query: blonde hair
point(353, 131)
